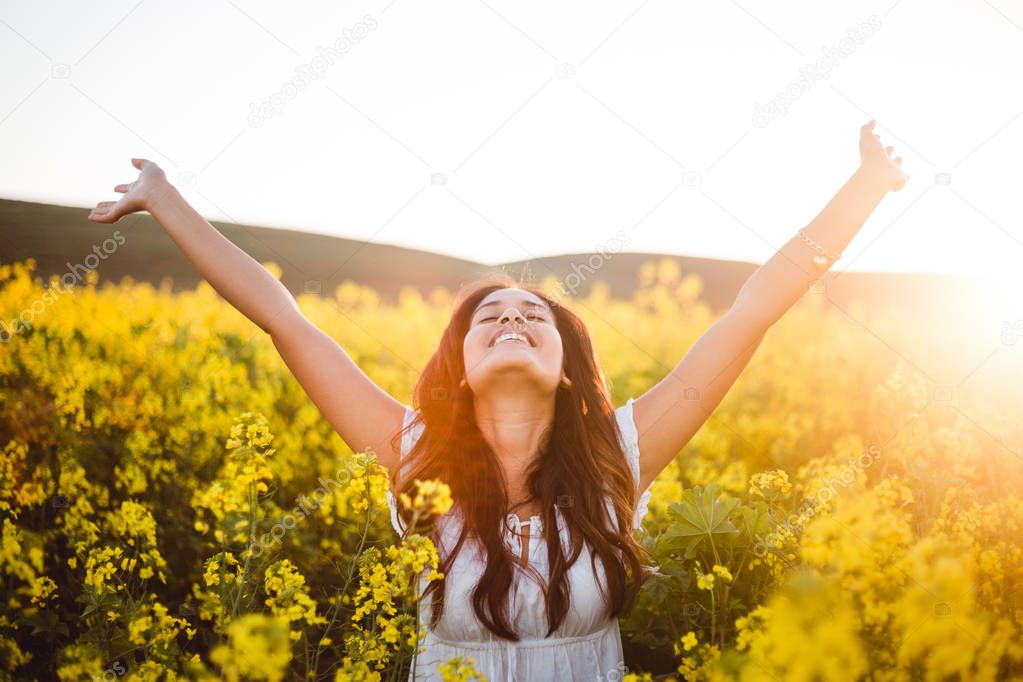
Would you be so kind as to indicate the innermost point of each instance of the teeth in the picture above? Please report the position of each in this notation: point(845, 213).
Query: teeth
point(510, 337)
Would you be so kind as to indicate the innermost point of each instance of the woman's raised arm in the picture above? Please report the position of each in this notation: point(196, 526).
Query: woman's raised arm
point(669, 414)
point(362, 413)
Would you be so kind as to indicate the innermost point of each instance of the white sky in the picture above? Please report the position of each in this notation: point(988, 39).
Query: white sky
point(536, 164)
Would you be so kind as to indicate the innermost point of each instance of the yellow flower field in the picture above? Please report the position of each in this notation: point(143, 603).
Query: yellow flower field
point(174, 507)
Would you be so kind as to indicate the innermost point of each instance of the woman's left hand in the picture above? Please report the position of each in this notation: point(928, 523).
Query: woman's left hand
point(877, 161)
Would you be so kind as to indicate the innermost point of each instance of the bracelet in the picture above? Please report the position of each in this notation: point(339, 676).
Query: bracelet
point(823, 256)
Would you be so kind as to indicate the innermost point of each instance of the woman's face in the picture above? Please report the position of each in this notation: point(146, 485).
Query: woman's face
point(513, 337)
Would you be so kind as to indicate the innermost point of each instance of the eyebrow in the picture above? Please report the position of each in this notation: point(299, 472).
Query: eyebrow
point(529, 303)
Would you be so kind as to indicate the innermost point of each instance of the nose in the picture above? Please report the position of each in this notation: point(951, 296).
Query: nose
point(512, 315)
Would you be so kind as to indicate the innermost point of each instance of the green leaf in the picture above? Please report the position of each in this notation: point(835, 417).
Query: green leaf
point(46, 623)
point(754, 521)
point(701, 516)
point(109, 601)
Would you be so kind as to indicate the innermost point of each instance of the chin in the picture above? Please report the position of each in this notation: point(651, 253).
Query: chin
point(522, 376)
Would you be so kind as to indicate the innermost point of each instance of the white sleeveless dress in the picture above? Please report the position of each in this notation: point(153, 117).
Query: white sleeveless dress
point(588, 644)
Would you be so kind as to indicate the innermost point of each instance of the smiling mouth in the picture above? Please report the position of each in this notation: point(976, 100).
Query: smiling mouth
point(511, 337)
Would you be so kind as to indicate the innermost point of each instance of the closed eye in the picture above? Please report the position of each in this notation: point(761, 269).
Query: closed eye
point(528, 317)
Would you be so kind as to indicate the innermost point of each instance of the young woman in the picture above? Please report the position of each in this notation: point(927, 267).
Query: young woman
point(514, 414)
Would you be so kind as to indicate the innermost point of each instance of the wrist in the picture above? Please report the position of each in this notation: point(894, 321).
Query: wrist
point(872, 181)
point(160, 196)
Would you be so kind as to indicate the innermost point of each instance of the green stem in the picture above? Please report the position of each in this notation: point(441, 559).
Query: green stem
point(717, 559)
point(713, 616)
point(336, 609)
point(252, 539)
point(415, 651)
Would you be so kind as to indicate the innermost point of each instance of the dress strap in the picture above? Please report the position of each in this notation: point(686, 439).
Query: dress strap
point(409, 436)
point(630, 444)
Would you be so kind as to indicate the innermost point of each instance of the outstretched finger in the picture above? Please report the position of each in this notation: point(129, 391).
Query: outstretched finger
point(102, 217)
point(138, 163)
point(122, 188)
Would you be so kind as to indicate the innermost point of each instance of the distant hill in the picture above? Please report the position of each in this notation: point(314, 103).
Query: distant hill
point(58, 235)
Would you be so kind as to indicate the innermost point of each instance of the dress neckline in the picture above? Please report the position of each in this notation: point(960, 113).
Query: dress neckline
point(535, 523)
point(513, 522)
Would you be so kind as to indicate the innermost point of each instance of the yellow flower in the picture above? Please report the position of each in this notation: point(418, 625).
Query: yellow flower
point(211, 576)
point(749, 627)
point(138, 628)
point(688, 641)
point(770, 485)
point(43, 588)
point(356, 671)
point(258, 648)
point(383, 589)
point(722, 572)
point(289, 595)
point(100, 569)
point(459, 669)
point(432, 497)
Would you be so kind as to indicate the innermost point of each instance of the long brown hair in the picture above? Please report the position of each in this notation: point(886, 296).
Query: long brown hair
point(581, 464)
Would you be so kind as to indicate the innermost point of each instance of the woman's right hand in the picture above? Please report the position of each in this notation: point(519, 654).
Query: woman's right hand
point(878, 161)
point(137, 195)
